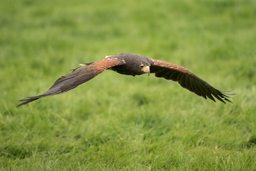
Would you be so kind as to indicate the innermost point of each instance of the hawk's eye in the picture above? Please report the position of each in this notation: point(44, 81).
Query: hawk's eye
point(141, 65)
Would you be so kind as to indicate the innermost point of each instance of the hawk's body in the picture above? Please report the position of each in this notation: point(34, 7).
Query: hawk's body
point(132, 64)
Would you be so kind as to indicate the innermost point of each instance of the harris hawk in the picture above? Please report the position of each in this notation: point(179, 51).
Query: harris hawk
point(132, 64)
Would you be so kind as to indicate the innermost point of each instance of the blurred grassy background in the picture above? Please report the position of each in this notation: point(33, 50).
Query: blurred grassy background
point(117, 122)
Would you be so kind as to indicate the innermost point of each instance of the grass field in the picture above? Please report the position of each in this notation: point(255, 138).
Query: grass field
point(117, 122)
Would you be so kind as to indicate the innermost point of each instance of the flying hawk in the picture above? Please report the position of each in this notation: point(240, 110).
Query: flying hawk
point(132, 64)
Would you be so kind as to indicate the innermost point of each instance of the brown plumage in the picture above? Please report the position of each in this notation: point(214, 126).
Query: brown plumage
point(132, 64)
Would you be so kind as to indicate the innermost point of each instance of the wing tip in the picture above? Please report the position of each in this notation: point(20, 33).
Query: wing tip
point(224, 96)
point(27, 100)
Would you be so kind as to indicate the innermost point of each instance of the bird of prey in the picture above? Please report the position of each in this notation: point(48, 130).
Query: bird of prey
point(132, 64)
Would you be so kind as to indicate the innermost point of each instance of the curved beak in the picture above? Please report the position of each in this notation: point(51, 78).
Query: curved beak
point(146, 69)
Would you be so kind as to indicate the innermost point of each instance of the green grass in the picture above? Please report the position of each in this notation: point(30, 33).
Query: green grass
point(117, 122)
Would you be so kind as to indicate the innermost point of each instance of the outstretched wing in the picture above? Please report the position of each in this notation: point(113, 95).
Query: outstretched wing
point(187, 80)
point(75, 78)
